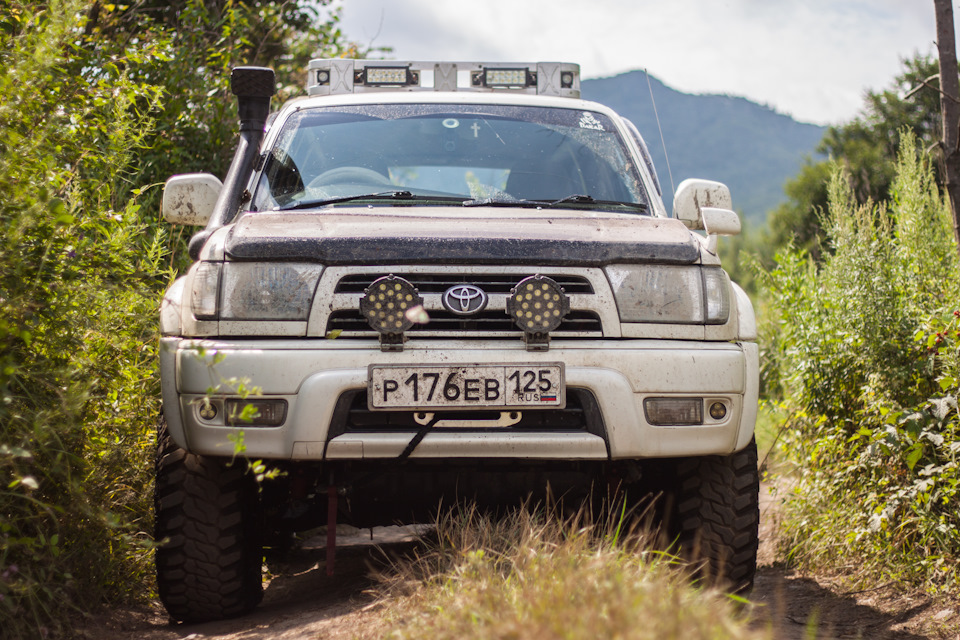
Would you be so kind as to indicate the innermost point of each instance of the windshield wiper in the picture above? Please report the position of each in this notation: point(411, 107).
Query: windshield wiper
point(380, 195)
point(577, 198)
point(500, 201)
point(547, 204)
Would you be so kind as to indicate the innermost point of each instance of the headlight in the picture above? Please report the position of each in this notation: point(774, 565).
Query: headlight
point(254, 290)
point(268, 290)
point(670, 294)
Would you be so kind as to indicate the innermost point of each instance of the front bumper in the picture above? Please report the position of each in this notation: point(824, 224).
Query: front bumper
point(311, 374)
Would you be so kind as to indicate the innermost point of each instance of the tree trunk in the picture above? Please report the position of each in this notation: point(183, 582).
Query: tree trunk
point(949, 108)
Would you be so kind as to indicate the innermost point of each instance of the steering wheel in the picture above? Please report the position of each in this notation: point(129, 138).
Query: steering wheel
point(351, 175)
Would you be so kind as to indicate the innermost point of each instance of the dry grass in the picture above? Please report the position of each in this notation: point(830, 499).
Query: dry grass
point(531, 576)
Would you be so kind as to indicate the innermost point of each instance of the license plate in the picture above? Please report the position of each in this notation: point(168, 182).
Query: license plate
point(457, 387)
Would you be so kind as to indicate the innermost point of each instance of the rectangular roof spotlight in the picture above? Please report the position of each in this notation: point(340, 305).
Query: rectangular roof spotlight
point(505, 78)
point(386, 77)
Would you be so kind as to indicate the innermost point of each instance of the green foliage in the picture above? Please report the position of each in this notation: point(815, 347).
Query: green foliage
point(797, 221)
point(865, 354)
point(201, 42)
point(737, 255)
point(99, 104)
point(867, 150)
point(78, 275)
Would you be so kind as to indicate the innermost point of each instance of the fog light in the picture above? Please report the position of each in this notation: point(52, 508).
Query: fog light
point(718, 411)
point(537, 305)
point(385, 302)
point(673, 411)
point(384, 305)
point(256, 412)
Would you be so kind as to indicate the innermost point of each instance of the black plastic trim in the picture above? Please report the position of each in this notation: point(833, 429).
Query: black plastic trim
point(412, 250)
point(581, 414)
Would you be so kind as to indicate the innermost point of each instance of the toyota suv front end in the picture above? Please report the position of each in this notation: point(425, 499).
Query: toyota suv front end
point(432, 282)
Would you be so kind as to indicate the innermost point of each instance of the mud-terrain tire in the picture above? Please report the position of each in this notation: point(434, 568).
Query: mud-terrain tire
point(718, 516)
point(209, 565)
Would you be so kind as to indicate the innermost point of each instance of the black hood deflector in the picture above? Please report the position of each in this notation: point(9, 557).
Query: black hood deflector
point(412, 250)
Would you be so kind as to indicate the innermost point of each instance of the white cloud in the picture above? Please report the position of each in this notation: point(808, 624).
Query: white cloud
point(812, 59)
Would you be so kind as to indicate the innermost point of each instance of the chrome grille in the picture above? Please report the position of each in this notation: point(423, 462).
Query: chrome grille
point(440, 282)
point(587, 318)
point(350, 320)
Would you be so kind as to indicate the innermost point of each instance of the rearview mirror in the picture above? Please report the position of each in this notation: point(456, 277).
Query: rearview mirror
point(189, 198)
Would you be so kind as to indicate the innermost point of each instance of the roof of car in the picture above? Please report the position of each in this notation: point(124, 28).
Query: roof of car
point(448, 97)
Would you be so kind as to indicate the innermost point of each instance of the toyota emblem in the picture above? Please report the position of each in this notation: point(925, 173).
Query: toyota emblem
point(464, 299)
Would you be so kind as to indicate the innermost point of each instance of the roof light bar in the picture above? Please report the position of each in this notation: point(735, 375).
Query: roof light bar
point(504, 78)
point(340, 76)
point(386, 77)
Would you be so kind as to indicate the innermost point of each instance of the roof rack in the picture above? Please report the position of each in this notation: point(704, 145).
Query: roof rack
point(331, 76)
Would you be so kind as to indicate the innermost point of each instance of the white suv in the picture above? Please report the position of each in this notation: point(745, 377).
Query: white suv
point(434, 282)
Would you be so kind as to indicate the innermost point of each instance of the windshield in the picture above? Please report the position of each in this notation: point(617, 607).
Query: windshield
point(443, 154)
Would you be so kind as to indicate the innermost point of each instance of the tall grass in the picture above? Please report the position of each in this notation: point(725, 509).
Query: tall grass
point(99, 103)
point(529, 575)
point(78, 274)
point(863, 348)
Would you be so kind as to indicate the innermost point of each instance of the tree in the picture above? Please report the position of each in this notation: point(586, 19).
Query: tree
point(866, 148)
point(97, 101)
point(949, 109)
point(202, 40)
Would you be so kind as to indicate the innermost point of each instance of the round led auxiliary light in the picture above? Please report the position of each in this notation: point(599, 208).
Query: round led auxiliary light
point(385, 303)
point(537, 304)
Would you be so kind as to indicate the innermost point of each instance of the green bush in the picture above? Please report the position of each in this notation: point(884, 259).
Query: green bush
point(863, 348)
point(98, 104)
point(78, 274)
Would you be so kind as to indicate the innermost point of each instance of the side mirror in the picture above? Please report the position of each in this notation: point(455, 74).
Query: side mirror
point(720, 222)
point(693, 196)
point(189, 198)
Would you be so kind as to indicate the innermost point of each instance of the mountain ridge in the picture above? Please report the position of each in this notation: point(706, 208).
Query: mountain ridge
point(750, 147)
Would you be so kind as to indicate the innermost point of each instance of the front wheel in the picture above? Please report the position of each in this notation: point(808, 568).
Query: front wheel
point(209, 561)
point(718, 515)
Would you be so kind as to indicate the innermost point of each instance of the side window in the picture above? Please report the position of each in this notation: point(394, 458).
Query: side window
point(647, 160)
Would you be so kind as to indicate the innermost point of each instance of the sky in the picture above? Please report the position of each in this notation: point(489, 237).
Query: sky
point(811, 59)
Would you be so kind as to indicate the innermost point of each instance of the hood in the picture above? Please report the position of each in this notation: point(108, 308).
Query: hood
point(455, 235)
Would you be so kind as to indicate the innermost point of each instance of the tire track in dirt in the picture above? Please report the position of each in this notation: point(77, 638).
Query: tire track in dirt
point(302, 603)
point(787, 601)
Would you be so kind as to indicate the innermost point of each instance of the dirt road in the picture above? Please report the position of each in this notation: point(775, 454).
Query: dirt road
point(302, 602)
